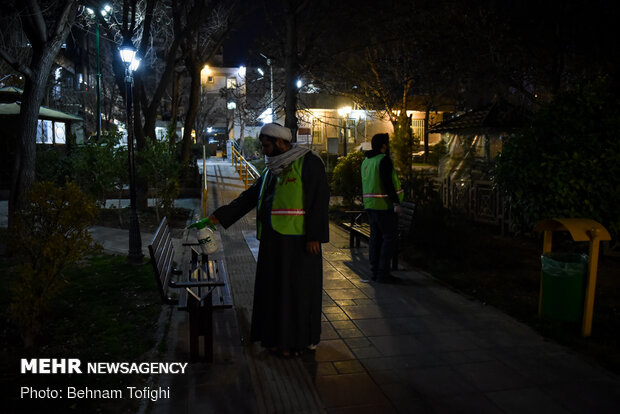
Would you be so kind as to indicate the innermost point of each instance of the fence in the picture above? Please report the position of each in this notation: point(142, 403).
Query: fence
point(247, 172)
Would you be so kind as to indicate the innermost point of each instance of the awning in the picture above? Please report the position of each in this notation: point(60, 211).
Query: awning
point(13, 109)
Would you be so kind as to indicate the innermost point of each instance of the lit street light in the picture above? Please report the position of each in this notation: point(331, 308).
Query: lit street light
point(131, 61)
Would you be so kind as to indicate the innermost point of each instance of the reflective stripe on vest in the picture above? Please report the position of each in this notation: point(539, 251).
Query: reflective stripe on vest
point(373, 194)
point(287, 210)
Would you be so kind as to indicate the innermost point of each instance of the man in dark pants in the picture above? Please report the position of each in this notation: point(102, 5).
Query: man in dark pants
point(291, 200)
point(382, 195)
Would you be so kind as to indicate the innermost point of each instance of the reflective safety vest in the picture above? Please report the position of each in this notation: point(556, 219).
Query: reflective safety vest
point(287, 210)
point(373, 195)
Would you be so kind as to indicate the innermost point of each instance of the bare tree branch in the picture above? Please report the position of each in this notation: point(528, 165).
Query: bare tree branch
point(15, 64)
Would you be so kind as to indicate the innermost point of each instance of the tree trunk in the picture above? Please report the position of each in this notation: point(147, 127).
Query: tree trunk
point(23, 175)
point(194, 99)
point(290, 68)
point(44, 50)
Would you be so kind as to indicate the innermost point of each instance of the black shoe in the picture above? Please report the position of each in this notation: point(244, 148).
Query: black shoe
point(389, 279)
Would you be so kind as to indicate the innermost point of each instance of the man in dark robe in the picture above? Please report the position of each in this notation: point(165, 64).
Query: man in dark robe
point(291, 198)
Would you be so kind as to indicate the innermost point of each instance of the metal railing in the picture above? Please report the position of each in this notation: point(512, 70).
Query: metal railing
point(247, 172)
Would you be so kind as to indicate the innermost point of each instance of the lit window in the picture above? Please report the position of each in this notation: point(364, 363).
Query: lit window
point(231, 83)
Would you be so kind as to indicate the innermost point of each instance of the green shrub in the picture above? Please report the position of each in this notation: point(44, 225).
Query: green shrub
point(347, 178)
point(53, 164)
point(100, 166)
point(160, 167)
point(49, 234)
point(566, 164)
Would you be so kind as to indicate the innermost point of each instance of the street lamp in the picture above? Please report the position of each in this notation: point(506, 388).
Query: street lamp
point(131, 61)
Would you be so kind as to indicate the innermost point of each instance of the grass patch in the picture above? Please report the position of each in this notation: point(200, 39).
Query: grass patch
point(107, 311)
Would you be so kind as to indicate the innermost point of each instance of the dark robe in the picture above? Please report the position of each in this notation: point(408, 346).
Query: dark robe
point(289, 281)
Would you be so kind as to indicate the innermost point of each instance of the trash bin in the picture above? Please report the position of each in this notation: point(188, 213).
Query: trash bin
point(563, 285)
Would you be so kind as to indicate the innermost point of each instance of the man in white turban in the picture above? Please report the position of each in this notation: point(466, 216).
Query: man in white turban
point(291, 198)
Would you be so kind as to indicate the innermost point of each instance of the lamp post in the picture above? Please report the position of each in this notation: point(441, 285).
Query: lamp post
point(273, 116)
point(131, 61)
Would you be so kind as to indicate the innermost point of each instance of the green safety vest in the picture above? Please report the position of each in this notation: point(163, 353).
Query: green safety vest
point(287, 210)
point(373, 195)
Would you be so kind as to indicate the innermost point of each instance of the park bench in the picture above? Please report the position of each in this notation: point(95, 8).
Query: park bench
point(359, 228)
point(194, 288)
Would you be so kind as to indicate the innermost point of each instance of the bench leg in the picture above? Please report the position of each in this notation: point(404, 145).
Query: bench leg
point(351, 239)
point(201, 324)
point(208, 327)
point(194, 334)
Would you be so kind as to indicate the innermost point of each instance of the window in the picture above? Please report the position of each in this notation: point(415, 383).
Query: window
point(210, 79)
point(317, 131)
point(50, 132)
point(417, 125)
point(231, 83)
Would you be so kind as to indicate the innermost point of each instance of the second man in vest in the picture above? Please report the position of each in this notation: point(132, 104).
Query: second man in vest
point(382, 195)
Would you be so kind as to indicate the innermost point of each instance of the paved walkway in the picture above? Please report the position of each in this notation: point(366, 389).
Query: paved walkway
point(412, 348)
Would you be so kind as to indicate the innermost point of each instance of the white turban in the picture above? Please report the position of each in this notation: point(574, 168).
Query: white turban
point(277, 131)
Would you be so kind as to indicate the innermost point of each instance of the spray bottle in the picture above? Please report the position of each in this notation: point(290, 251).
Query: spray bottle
point(206, 237)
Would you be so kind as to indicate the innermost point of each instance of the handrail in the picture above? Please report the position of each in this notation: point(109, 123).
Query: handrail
point(246, 170)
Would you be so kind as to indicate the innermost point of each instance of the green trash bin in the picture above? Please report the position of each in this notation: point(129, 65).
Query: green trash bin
point(563, 285)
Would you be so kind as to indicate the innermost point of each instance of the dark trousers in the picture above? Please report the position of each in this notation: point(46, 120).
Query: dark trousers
point(383, 235)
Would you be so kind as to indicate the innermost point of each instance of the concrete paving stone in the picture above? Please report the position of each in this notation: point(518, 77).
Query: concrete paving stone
point(542, 367)
point(363, 409)
point(476, 403)
point(348, 390)
point(446, 341)
point(337, 316)
point(328, 331)
point(361, 342)
point(368, 352)
point(525, 400)
point(332, 275)
point(325, 368)
point(349, 367)
point(404, 363)
point(338, 325)
point(337, 284)
point(360, 302)
point(332, 350)
point(386, 376)
point(347, 302)
point(350, 333)
point(491, 376)
point(387, 326)
point(331, 309)
point(336, 294)
point(405, 398)
point(323, 318)
point(437, 381)
point(373, 311)
point(463, 357)
point(399, 345)
point(592, 396)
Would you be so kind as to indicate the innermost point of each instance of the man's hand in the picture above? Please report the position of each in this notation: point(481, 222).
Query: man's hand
point(313, 247)
point(397, 208)
point(214, 219)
